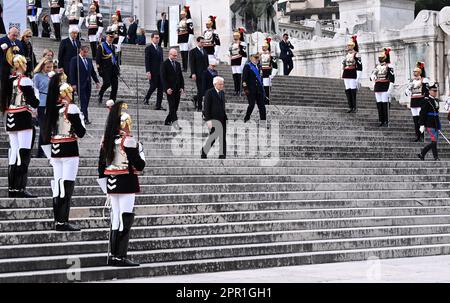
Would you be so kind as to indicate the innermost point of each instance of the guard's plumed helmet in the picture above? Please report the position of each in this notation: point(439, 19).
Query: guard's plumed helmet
point(353, 43)
point(266, 43)
point(385, 55)
point(65, 90)
point(420, 68)
point(125, 119)
point(239, 34)
point(211, 22)
point(185, 12)
point(19, 61)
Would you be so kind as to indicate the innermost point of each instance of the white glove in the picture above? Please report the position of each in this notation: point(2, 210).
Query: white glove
point(422, 129)
point(373, 77)
point(102, 182)
point(141, 151)
point(391, 89)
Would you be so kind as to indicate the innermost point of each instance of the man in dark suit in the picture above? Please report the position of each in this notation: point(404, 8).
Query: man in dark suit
point(10, 40)
point(173, 84)
point(287, 54)
point(7, 42)
point(198, 59)
point(2, 25)
point(163, 29)
point(208, 76)
point(81, 72)
point(216, 118)
point(108, 67)
point(153, 61)
point(253, 87)
point(132, 31)
point(68, 49)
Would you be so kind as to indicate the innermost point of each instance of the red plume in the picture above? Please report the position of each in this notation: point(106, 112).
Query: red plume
point(355, 38)
point(387, 51)
point(118, 12)
point(213, 18)
point(269, 40)
point(241, 30)
point(420, 65)
point(186, 7)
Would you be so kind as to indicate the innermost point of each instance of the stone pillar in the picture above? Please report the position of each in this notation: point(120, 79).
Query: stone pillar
point(375, 15)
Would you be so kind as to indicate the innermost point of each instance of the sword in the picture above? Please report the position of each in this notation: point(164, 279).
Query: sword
point(445, 138)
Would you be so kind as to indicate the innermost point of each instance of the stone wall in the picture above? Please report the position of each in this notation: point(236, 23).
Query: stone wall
point(422, 40)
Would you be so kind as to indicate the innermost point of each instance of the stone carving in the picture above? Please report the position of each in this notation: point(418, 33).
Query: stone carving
point(444, 19)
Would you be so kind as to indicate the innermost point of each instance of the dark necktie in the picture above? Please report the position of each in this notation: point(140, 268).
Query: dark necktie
point(74, 44)
point(174, 66)
point(85, 63)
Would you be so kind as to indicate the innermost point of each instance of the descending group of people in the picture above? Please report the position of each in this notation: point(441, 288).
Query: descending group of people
point(121, 158)
point(424, 102)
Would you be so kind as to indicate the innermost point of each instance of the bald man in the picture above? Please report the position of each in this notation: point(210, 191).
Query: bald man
point(173, 84)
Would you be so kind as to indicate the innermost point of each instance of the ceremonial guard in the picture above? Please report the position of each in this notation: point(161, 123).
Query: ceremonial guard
point(120, 33)
point(418, 90)
point(429, 121)
point(185, 35)
point(34, 10)
point(75, 14)
point(19, 103)
point(56, 12)
point(62, 127)
point(121, 160)
point(352, 66)
point(384, 78)
point(238, 54)
point(94, 23)
point(211, 38)
point(268, 66)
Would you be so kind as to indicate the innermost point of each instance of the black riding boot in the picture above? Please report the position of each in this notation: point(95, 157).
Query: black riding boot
point(11, 176)
point(385, 108)
point(235, 84)
point(94, 50)
point(113, 247)
point(57, 27)
point(354, 93)
point(267, 92)
point(34, 29)
point(123, 239)
point(380, 113)
point(21, 174)
point(239, 83)
point(348, 93)
point(63, 207)
point(417, 129)
point(184, 60)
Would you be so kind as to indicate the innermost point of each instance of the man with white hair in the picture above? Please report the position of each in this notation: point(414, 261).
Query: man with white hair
point(208, 76)
point(11, 40)
point(216, 118)
point(68, 49)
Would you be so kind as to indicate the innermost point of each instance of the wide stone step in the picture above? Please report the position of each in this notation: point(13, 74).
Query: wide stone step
point(35, 243)
point(222, 264)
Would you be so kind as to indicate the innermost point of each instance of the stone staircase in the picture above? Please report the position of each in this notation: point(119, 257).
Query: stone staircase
point(337, 189)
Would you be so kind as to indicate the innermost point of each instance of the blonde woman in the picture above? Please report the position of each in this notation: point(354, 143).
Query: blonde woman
point(42, 74)
point(28, 51)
